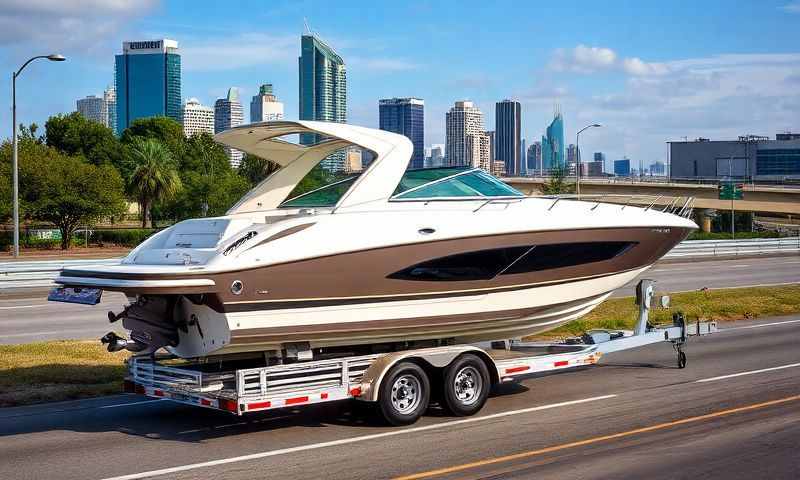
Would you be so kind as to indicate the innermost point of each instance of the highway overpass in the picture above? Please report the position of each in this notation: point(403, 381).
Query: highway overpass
point(757, 198)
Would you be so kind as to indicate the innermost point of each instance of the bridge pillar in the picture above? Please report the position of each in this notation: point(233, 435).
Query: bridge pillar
point(705, 219)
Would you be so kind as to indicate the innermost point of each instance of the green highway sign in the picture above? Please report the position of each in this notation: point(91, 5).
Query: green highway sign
point(730, 191)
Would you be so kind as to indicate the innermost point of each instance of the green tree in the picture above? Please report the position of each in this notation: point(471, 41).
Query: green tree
point(164, 129)
point(75, 134)
point(211, 186)
point(255, 169)
point(69, 192)
point(556, 185)
point(155, 178)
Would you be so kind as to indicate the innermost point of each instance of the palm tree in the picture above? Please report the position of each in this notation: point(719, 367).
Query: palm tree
point(154, 178)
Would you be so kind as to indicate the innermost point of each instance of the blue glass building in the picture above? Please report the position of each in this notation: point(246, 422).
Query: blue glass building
point(405, 116)
point(553, 145)
point(323, 91)
point(507, 131)
point(148, 81)
point(622, 168)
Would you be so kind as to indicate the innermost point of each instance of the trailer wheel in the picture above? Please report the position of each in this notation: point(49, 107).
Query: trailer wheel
point(681, 359)
point(404, 394)
point(466, 385)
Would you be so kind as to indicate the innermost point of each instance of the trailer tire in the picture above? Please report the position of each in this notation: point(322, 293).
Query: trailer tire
point(404, 394)
point(466, 385)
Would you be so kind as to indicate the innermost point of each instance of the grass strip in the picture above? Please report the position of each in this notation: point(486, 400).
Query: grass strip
point(70, 369)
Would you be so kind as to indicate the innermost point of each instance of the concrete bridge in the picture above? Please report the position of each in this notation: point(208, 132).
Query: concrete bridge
point(757, 198)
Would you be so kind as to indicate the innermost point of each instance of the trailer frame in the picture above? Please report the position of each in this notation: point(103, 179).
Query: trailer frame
point(245, 390)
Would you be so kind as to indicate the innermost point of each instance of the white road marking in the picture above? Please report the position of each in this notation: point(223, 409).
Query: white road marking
point(762, 325)
point(117, 405)
point(751, 372)
point(345, 441)
point(24, 306)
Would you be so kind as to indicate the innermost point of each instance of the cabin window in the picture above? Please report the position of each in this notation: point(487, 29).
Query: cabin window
point(487, 264)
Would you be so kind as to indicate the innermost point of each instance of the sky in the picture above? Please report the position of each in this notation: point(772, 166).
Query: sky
point(649, 72)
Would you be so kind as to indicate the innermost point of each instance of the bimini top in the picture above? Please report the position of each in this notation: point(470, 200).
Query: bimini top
point(392, 153)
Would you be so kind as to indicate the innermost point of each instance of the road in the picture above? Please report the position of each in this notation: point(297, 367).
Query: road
point(734, 412)
point(29, 317)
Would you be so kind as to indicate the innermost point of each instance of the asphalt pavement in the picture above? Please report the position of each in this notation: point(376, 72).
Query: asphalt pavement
point(29, 317)
point(734, 412)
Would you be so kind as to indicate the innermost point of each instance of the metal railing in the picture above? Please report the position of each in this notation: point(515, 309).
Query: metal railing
point(724, 248)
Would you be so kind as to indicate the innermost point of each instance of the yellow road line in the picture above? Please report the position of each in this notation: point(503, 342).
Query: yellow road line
point(590, 441)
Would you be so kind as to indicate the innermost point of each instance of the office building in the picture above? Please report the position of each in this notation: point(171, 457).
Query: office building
point(499, 168)
point(492, 144)
point(228, 114)
point(323, 91)
point(622, 168)
point(110, 96)
point(463, 119)
point(787, 136)
point(553, 145)
point(405, 116)
point(534, 158)
point(265, 107)
point(478, 147)
point(749, 157)
point(523, 164)
point(437, 155)
point(197, 118)
point(94, 108)
point(508, 135)
point(148, 81)
point(658, 169)
point(592, 169)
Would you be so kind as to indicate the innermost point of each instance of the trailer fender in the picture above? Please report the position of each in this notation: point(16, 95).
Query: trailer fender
point(437, 357)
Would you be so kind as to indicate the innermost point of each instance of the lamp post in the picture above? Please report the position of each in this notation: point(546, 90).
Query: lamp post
point(578, 157)
point(14, 164)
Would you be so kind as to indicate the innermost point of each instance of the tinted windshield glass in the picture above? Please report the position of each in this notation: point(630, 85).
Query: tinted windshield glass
point(474, 183)
point(417, 177)
point(326, 196)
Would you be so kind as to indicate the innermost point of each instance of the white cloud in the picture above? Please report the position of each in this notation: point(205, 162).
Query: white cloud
point(239, 51)
point(381, 64)
point(719, 97)
point(792, 7)
point(82, 25)
point(636, 66)
point(583, 59)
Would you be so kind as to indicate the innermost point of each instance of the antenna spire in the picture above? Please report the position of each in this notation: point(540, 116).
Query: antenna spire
point(308, 29)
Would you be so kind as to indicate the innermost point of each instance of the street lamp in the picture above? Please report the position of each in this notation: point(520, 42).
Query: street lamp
point(14, 165)
point(578, 157)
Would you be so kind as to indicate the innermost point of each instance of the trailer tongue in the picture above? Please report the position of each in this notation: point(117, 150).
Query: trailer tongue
point(399, 381)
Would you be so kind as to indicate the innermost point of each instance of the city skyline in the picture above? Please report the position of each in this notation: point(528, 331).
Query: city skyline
point(644, 89)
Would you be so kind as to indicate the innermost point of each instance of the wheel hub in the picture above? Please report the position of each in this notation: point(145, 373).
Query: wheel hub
point(468, 385)
point(405, 394)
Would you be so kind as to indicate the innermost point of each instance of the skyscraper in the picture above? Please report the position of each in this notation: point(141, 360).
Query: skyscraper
point(110, 96)
point(553, 144)
point(148, 81)
point(94, 108)
point(228, 114)
point(197, 118)
point(508, 135)
point(622, 168)
point(523, 165)
point(477, 148)
point(323, 91)
point(534, 158)
point(265, 107)
point(437, 155)
point(405, 116)
point(463, 119)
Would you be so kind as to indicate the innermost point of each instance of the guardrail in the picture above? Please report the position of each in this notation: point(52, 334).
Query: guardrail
point(747, 246)
point(41, 273)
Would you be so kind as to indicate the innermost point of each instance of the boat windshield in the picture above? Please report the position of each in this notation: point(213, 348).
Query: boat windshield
point(321, 190)
point(474, 183)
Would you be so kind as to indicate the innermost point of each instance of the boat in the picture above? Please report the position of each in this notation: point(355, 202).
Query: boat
point(384, 256)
